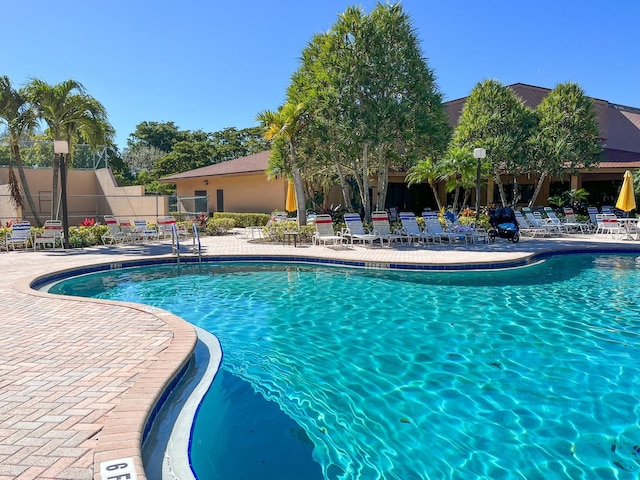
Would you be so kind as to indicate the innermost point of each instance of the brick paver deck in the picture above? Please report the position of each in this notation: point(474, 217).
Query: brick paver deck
point(79, 376)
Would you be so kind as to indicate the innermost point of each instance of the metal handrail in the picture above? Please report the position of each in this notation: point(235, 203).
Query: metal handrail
point(175, 241)
point(196, 236)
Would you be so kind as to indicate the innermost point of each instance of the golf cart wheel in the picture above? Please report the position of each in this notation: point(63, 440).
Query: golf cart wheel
point(516, 238)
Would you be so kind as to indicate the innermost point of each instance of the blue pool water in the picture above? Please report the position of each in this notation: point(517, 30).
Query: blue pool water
point(530, 373)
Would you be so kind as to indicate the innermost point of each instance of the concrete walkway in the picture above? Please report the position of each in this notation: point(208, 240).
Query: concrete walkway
point(78, 377)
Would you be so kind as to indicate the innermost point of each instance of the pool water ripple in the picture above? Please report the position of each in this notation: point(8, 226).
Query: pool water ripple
point(529, 374)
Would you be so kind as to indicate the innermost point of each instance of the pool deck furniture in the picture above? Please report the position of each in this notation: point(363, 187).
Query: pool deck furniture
point(20, 235)
point(325, 233)
point(51, 235)
point(79, 377)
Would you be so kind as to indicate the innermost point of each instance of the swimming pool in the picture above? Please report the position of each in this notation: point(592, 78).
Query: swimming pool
point(526, 373)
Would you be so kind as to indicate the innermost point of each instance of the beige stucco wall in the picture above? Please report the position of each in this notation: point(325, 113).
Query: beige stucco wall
point(251, 193)
point(90, 193)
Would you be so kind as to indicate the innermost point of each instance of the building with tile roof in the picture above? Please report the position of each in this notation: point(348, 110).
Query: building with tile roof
point(241, 185)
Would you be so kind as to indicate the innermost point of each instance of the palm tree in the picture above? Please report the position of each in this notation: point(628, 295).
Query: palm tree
point(425, 170)
point(69, 111)
point(287, 123)
point(19, 116)
point(458, 169)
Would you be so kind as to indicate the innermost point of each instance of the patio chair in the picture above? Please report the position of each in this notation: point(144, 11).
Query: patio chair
point(165, 228)
point(325, 233)
point(51, 235)
point(412, 230)
point(20, 235)
point(572, 222)
point(126, 228)
point(113, 235)
point(142, 231)
point(473, 234)
point(593, 211)
point(526, 229)
point(382, 228)
point(355, 231)
point(537, 222)
point(553, 219)
point(433, 226)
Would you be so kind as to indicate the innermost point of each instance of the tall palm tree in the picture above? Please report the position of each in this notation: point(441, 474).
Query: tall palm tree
point(68, 111)
point(19, 117)
point(425, 170)
point(287, 123)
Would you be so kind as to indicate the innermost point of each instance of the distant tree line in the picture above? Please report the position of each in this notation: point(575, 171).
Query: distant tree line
point(158, 149)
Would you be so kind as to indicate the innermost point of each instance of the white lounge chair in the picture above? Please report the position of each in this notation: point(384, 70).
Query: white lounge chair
point(20, 235)
point(325, 233)
point(537, 222)
point(165, 228)
point(572, 222)
point(51, 234)
point(113, 235)
point(355, 231)
point(553, 219)
point(382, 228)
point(142, 231)
point(412, 230)
point(433, 226)
point(527, 229)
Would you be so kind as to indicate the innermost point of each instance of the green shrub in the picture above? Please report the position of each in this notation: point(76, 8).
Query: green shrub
point(220, 226)
point(244, 219)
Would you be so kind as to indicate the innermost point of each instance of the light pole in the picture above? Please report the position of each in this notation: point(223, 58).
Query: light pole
point(478, 154)
point(61, 147)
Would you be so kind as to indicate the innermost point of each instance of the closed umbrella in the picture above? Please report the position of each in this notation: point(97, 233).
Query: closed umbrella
point(290, 206)
point(627, 199)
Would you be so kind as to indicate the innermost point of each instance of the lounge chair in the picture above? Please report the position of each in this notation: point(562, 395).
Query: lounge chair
point(593, 211)
point(126, 228)
point(355, 231)
point(537, 222)
point(165, 228)
point(51, 235)
point(325, 233)
point(20, 235)
point(113, 235)
point(526, 229)
point(553, 219)
point(433, 226)
point(142, 231)
point(471, 232)
point(382, 228)
point(572, 222)
point(412, 230)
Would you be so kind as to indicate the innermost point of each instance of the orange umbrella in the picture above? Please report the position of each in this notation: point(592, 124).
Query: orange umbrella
point(290, 206)
point(627, 198)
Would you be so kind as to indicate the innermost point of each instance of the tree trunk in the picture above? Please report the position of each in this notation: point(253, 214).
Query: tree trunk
point(298, 183)
point(346, 198)
point(54, 188)
point(434, 189)
point(15, 149)
point(456, 197)
point(503, 197)
point(543, 175)
point(364, 189)
point(383, 181)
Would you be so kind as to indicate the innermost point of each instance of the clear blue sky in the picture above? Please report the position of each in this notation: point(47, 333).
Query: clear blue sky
point(208, 65)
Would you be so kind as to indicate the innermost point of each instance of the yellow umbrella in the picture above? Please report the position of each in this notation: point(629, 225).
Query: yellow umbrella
point(291, 198)
point(627, 199)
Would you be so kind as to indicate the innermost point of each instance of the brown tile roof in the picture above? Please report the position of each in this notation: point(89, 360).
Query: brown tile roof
point(250, 164)
point(619, 125)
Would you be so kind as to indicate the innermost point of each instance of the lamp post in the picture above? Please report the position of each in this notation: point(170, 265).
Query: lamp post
point(478, 154)
point(61, 147)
